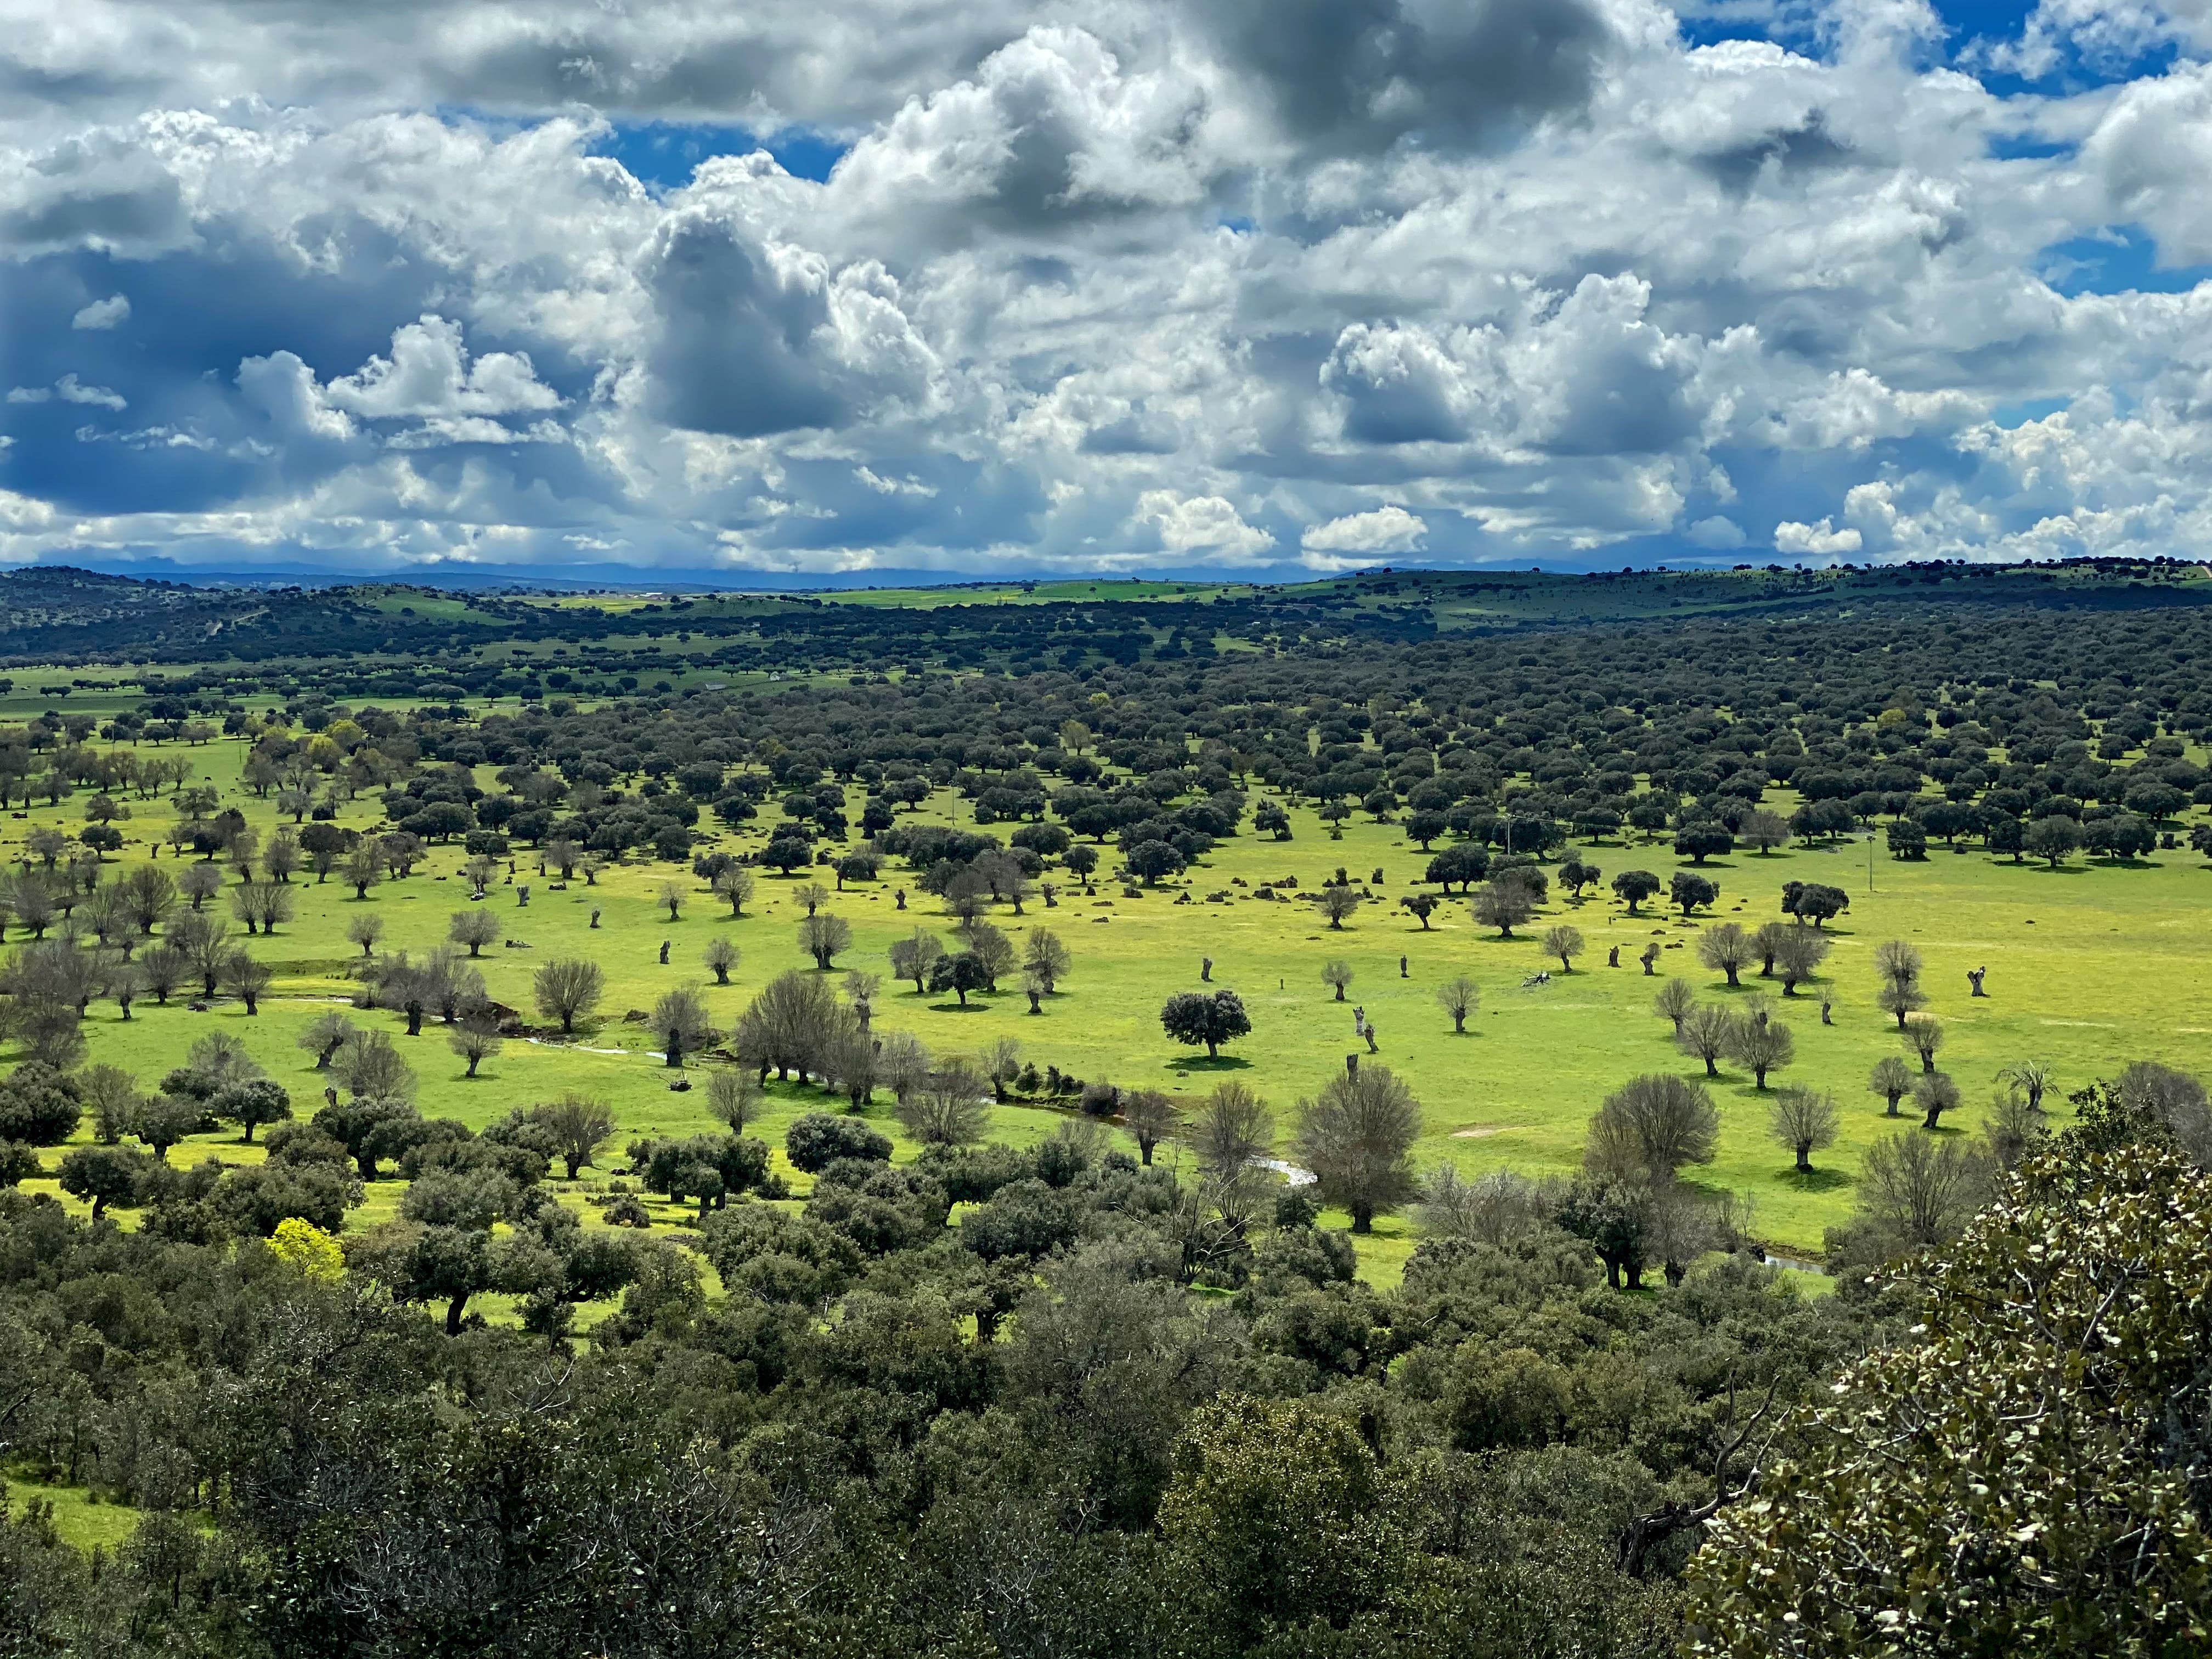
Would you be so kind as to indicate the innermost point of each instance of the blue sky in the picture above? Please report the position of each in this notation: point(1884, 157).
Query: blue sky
point(893, 284)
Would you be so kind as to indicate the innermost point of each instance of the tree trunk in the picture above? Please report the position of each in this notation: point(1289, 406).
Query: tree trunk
point(1804, 1158)
point(674, 1049)
point(453, 1314)
point(1363, 1218)
point(414, 1019)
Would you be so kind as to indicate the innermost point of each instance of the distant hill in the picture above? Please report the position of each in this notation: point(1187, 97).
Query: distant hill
point(57, 614)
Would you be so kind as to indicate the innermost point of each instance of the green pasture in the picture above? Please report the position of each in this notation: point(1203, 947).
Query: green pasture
point(79, 1517)
point(2089, 967)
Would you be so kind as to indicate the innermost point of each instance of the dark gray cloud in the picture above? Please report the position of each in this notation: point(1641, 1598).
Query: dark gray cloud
point(738, 348)
point(1803, 146)
point(1361, 74)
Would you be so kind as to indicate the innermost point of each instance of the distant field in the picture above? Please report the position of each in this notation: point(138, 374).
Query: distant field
point(2089, 967)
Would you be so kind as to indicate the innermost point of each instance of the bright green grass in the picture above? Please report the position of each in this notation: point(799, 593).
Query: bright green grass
point(78, 1520)
point(2089, 967)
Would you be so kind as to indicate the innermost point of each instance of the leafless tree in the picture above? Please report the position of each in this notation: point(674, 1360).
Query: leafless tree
point(1458, 998)
point(1804, 1120)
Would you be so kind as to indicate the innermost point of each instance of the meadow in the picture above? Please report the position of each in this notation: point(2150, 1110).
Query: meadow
point(2090, 966)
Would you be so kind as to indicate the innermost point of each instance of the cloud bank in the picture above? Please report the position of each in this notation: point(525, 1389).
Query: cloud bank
point(863, 284)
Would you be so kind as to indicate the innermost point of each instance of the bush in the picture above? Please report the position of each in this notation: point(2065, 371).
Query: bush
point(1023, 1219)
point(820, 1138)
point(971, 1174)
point(38, 1105)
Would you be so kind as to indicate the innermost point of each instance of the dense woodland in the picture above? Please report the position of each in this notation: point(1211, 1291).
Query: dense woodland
point(1121, 1407)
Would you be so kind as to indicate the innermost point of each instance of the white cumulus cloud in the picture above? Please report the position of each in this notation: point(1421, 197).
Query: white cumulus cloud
point(1822, 540)
point(111, 312)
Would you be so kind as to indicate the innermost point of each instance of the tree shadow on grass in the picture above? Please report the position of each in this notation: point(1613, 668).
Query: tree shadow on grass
point(1814, 1181)
point(1200, 1063)
point(960, 1007)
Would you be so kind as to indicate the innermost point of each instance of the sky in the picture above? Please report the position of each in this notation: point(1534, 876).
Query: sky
point(1250, 287)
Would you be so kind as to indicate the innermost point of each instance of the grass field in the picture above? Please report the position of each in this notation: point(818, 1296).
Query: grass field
point(2089, 967)
point(79, 1518)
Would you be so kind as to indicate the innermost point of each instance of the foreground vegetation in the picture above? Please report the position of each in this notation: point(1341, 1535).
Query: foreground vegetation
point(1279, 1108)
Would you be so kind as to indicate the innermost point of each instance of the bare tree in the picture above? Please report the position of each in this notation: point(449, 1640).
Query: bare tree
point(1336, 972)
point(903, 1062)
point(1674, 1002)
point(1002, 1064)
point(735, 1095)
point(1650, 1127)
point(811, 894)
point(720, 957)
point(1898, 962)
point(164, 968)
point(948, 1109)
point(1357, 1135)
point(363, 869)
point(1760, 1045)
point(365, 929)
point(207, 946)
point(1919, 1190)
point(567, 988)
point(912, 957)
point(1934, 1094)
point(1564, 943)
point(1727, 949)
point(324, 1036)
point(246, 979)
point(1492, 1209)
point(822, 935)
point(791, 1024)
point(1900, 1000)
point(282, 860)
point(1458, 998)
point(1503, 905)
point(1045, 956)
point(474, 1038)
point(1337, 903)
point(672, 894)
point(860, 990)
point(199, 883)
point(369, 1067)
point(1924, 1037)
point(579, 1125)
point(1706, 1034)
point(1232, 1129)
point(1891, 1079)
point(474, 928)
point(1151, 1116)
point(680, 1020)
point(1767, 942)
point(1798, 954)
point(1804, 1120)
point(733, 884)
point(992, 950)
